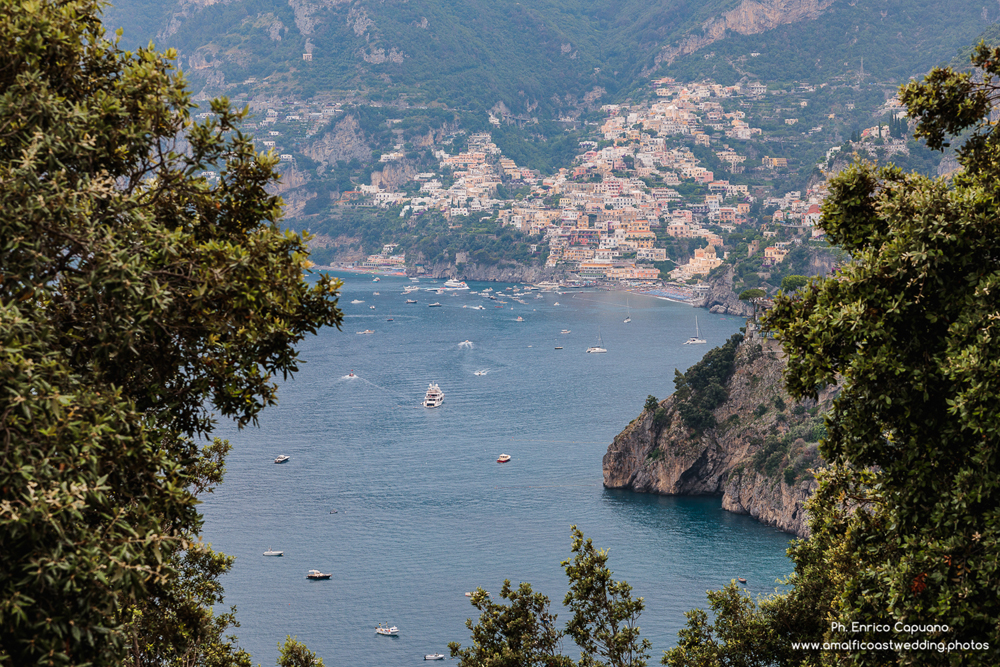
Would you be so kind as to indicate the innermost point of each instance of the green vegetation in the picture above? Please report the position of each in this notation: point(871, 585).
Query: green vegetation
point(138, 305)
point(904, 523)
point(702, 388)
point(523, 633)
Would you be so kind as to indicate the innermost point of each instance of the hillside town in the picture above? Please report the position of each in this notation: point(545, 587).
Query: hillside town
point(640, 180)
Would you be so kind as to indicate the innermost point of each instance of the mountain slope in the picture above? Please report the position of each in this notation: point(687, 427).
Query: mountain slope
point(542, 58)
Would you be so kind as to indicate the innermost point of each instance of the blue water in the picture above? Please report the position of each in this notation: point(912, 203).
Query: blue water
point(424, 512)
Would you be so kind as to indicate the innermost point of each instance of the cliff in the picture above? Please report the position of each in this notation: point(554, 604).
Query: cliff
point(729, 430)
point(749, 18)
point(721, 298)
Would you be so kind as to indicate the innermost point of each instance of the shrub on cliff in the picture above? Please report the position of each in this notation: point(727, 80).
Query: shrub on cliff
point(702, 388)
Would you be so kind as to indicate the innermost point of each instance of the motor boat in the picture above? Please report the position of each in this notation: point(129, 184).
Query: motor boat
point(358, 301)
point(386, 631)
point(375, 280)
point(316, 575)
point(503, 458)
point(282, 458)
point(351, 374)
point(565, 331)
point(434, 305)
point(272, 552)
point(411, 301)
point(434, 396)
point(365, 332)
point(482, 372)
point(455, 284)
point(434, 656)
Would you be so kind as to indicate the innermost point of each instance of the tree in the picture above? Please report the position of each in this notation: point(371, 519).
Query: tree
point(754, 297)
point(905, 521)
point(605, 617)
point(792, 283)
point(604, 623)
point(294, 653)
point(521, 634)
point(138, 302)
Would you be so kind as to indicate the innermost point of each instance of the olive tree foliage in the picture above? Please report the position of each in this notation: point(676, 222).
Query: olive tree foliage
point(906, 520)
point(523, 633)
point(138, 303)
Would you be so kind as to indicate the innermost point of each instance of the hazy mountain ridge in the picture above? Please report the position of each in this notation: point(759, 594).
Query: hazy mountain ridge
point(552, 58)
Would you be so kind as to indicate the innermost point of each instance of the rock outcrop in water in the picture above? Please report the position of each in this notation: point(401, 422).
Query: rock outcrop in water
point(730, 430)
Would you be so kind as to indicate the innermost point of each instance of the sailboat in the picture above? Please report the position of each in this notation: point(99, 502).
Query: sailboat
point(600, 344)
point(629, 317)
point(696, 339)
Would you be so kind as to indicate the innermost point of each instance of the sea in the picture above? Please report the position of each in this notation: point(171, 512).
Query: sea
point(407, 508)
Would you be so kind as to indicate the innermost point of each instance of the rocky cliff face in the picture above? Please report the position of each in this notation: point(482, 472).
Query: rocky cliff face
point(749, 18)
point(722, 299)
point(756, 456)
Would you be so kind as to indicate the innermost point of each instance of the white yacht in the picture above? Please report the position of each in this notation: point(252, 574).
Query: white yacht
point(272, 552)
point(696, 339)
point(386, 630)
point(599, 348)
point(282, 458)
point(434, 656)
point(455, 284)
point(434, 396)
point(358, 301)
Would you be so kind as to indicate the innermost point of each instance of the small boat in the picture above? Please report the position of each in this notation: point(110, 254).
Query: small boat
point(365, 332)
point(434, 305)
point(628, 318)
point(411, 301)
point(565, 331)
point(351, 374)
point(386, 630)
point(519, 319)
point(503, 458)
point(272, 552)
point(599, 348)
point(478, 307)
point(482, 372)
point(282, 458)
point(468, 594)
point(558, 347)
point(372, 307)
point(696, 339)
point(556, 303)
point(741, 580)
point(434, 656)
point(434, 396)
point(316, 575)
point(375, 279)
point(376, 294)
point(358, 301)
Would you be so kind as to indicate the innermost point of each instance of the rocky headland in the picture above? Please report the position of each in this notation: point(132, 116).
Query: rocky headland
point(729, 430)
